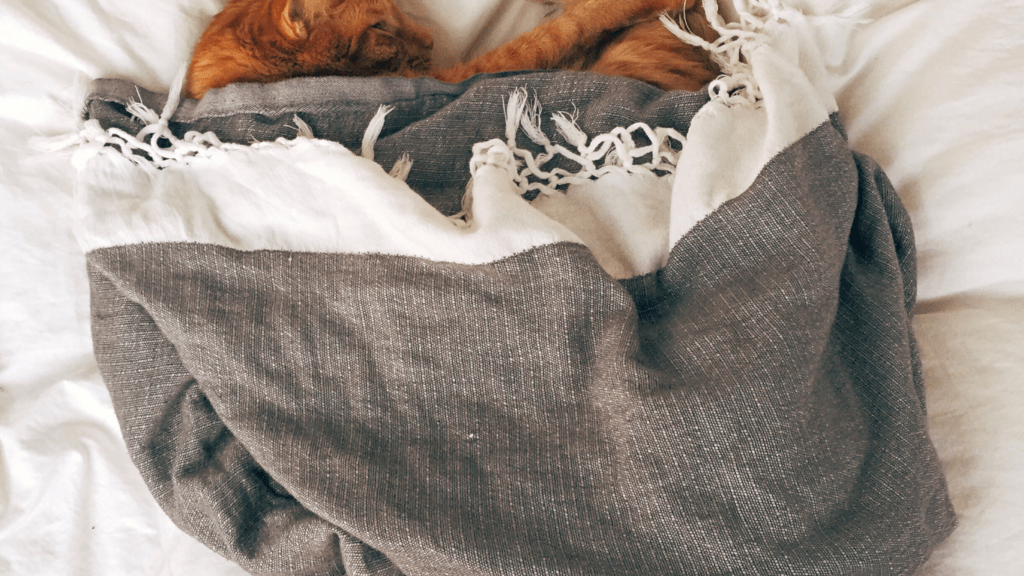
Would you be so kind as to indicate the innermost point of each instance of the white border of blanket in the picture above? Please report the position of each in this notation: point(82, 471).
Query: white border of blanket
point(773, 92)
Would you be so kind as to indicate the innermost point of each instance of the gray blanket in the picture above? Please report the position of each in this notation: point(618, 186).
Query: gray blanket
point(754, 406)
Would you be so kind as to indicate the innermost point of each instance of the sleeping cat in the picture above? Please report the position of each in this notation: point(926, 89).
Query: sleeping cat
point(270, 40)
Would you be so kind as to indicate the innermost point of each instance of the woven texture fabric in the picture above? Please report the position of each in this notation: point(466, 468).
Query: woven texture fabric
point(754, 407)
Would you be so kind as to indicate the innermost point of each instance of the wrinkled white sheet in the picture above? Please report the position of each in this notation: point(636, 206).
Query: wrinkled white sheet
point(930, 88)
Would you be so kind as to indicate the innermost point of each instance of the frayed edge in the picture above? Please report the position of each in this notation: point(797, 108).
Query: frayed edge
point(373, 131)
point(402, 167)
point(156, 147)
point(736, 86)
point(302, 130)
point(614, 152)
point(153, 147)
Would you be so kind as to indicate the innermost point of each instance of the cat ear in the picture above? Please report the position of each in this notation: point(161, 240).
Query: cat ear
point(292, 20)
point(296, 17)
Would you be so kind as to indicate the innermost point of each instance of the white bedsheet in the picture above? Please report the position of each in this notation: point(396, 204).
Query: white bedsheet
point(930, 88)
point(932, 91)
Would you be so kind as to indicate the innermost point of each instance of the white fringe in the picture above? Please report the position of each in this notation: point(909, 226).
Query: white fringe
point(302, 129)
point(614, 152)
point(373, 131)
point(736, 86)
point(617, 151)
point(156, 147)
point(402, 167)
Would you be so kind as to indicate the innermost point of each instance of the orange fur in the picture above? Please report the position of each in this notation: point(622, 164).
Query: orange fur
point(270, 40)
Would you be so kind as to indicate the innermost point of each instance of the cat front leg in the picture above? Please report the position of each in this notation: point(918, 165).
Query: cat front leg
point(582, 24)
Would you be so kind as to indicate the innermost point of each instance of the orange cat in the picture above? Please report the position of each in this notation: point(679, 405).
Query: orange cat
point(270, 40)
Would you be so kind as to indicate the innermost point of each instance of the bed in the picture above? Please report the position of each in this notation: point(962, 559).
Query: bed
point(929, 89)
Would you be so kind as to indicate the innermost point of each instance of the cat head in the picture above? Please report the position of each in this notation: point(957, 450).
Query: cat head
point(270, 40)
